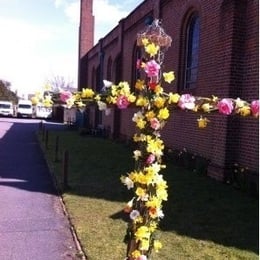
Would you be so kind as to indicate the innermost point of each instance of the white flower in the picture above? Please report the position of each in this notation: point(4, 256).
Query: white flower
point(134, 214)
point(101, 105)
point(137, 154)
point(128, 182)
point(160, 213)
point(137, 116)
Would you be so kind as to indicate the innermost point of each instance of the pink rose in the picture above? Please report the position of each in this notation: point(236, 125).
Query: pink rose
point(186, 101)
point(150, 159)
point(255, 107)
point(152, 68)
point(225, 106)
point(122, 102)
point(155, 124)
point(64, 96)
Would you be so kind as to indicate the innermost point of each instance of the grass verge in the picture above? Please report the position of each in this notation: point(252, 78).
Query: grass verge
point(204, 219)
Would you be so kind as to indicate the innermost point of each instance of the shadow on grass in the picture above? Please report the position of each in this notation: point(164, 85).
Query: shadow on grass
point(198, 207)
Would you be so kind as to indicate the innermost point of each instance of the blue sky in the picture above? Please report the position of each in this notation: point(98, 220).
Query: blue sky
point(39, 38)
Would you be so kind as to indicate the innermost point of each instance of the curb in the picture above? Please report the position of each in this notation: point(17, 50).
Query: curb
point(81, 253)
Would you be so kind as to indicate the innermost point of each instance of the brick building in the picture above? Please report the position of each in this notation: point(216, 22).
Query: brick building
point(214, 52)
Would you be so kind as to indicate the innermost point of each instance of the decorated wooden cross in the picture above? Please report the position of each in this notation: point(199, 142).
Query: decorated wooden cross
point(148, 185)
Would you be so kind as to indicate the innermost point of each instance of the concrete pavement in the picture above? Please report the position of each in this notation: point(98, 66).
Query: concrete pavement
point(33, 225)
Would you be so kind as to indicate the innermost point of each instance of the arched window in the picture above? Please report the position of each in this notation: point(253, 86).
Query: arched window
point(191, 52)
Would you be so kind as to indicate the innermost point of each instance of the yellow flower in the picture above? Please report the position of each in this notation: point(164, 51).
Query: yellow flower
point(142, 233)
point(87, 93)
point(157, 245)
point(97, 97)
point(131, 98)
point(202, 122)
point(145, 41)
point(159, 102)
point(80, 104)
point(158, 89)
point(155, 146)
point(168, 76)
point(141, 101)
point(161, 193)
point(153, 226)
point(244, 111)
point(154, 202)
point(152, 49)
point(173, 98)
point(214, 98)
point(139, 84)
point(140, 192)
point(206, 107)
point(136, 254)
point(144, 244)
point(149, 115)
point(163, 113)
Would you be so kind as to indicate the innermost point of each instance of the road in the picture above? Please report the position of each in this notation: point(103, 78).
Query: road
point(33, 225)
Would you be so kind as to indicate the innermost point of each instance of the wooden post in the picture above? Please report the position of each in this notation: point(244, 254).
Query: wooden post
point(56, 158)
point(65, 169)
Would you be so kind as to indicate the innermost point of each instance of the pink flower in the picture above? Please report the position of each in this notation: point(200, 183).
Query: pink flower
point(255, 107)
point(64, 96)
point(152, 68)
point(155, 124)
point(225, 106)
point(186, 101)
point(122, 102)
point(150, 159)
point(142, 257)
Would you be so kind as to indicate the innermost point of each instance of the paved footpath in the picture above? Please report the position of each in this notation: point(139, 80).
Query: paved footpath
point(33, 225)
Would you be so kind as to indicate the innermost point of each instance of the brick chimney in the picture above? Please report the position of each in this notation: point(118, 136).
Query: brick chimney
point(86, 39)
point(86, 27)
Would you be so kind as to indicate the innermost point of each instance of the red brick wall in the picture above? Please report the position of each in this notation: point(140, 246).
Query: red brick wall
point(228, 67)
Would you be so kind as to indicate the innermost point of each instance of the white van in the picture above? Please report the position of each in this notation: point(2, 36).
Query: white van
point(6, 108)
point(42, 111)
point(24, 108)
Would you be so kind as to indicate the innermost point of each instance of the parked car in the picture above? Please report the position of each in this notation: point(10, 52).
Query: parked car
point(6, 108)
point(24, 108)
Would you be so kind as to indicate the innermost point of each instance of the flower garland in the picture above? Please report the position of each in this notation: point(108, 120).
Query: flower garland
point(148, 185)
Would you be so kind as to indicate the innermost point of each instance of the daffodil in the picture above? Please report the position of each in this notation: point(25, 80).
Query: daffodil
point(163, 113)
point(202, 122)
point(244, 111)
point(168, 76)
point(173, 98)
point(139, 84)
point(152, 49)
point(157, 245)
point(159, 102)
point(142, 233)
point(87, 93)
point(145, 41)
point(141, 101)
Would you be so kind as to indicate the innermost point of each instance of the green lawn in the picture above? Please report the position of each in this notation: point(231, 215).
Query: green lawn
point(204, 219)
